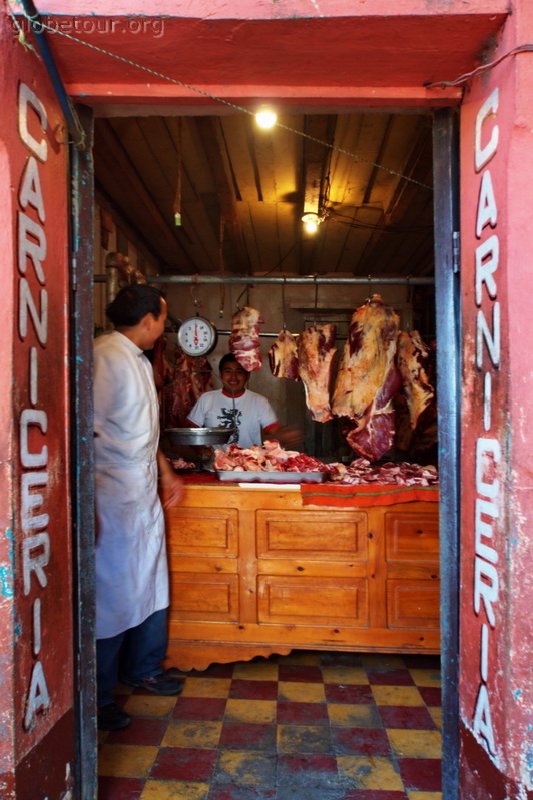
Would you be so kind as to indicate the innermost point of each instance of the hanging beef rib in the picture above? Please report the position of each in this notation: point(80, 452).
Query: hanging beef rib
point(316, 351)
point(244, 338)
point(368, 379)
point(413, 363)
point(283, 356)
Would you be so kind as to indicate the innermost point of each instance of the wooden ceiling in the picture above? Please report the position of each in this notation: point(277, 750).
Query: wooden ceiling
point(241, 191)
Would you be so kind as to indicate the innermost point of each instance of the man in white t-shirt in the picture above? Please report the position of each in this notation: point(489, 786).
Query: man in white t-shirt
point(235, 406)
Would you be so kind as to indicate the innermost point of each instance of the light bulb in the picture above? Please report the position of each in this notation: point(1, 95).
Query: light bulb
point(266, 118)
point(311, 222)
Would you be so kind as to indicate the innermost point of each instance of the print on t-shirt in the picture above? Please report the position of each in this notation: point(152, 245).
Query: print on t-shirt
point(231, 418)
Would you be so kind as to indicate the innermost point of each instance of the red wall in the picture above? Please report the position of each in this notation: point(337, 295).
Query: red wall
point(497, 459)
point(35, 548)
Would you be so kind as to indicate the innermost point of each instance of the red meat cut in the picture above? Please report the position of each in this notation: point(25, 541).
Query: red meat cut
point(244, 338)
point(283, 356)
point(368, 379)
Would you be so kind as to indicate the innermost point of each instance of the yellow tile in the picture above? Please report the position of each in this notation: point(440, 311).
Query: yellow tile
point(184, 733)
point(307, 659)
point(251, 711)
point(146, 705)
point(126, 760)
point(436, 715)
point(397, 696)
point(174, 790)
point(382, 661)
point(346, 715)
point(347, 675)
point(424, 795)
point(426, 677)
point(247, 768)
point(376, 772)
point(303, 739)
point(256, 672)
point(206, 687)
point(415, 743)
point(300, 692)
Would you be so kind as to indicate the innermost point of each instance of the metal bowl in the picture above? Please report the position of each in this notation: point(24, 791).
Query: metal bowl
point(197, 436)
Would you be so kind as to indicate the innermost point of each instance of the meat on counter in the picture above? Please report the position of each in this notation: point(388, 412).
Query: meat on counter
point(368, 379)
point(316, 351)
point(244, 338)
point(283, 356)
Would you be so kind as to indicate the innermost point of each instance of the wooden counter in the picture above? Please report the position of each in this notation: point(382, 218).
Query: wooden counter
point(254, 572)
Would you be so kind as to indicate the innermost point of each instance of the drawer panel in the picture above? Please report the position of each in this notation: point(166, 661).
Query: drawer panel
point(413, 604)
point(202, 531)
point(213, 597)
point(315, 534)
point(316, 601)
point(412, 537)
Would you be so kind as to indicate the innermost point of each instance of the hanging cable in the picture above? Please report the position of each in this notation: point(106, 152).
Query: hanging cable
point(228, 103)
point(521, 48)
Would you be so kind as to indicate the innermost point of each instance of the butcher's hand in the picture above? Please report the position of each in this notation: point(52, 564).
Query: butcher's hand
point(171, 489)
point(170, 484)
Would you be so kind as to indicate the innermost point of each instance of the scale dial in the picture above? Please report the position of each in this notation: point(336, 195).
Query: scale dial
point(197, 336)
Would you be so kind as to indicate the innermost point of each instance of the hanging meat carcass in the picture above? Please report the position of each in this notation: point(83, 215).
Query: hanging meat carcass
point(316, 351)
point(413, 363)
point(190, 379)
point(368, 379)
point(244, 339)
point(283, 356)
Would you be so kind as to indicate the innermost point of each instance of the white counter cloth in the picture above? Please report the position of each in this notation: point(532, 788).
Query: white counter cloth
point(131, 562)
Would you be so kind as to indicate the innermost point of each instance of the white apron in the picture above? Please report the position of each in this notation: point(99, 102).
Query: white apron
point(131, 563)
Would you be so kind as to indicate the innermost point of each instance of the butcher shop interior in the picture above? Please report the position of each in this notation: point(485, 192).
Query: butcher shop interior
point(307, 250)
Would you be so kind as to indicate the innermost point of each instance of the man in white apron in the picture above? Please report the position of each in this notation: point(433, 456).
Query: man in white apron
point(131, 564)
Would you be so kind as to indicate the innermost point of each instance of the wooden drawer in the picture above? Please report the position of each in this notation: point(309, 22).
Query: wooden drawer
point(312, 534)
point(202, 531)
point(412, 537)
point(198, 597)
point(413, 604)
point(313, 601)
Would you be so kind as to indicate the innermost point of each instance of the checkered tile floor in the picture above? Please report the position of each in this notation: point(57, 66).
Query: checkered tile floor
point(315, 726)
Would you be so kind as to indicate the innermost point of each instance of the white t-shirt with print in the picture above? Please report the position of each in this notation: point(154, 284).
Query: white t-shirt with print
point(252, 413)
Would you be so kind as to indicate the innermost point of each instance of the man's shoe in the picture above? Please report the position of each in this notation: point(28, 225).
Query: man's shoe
point(159, 684)
point(112, 718)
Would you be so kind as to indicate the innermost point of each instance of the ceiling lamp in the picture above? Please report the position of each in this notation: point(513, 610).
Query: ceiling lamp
point(266, 118)
point(311, 222)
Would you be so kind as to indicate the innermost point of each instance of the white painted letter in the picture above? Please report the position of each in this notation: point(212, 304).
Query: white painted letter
point(30, 189)
point(488, 453)
point(482, 719)
point(488, 592)
point(484, 529)
point(28, 98)
point(482, 155)
point(38, 697)
point(29, 501)
point(35, 251)
point(32, 416)
point(27, 304)
point(492, 340)
point(487, 259)
point(38, 563)
point(487, 212)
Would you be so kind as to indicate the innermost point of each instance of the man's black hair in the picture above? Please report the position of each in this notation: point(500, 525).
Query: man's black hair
point(133, 303)
point(229, 358)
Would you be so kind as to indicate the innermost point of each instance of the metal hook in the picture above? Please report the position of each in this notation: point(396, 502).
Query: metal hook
point(195, 300)
point(283, 302)
point(316, 295)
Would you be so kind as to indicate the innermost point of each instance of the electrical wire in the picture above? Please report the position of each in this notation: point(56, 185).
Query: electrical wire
point(214, 98)
point(521, 48)
point(345, 219)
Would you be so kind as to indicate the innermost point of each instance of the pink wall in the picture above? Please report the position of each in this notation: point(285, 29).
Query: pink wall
point(497, 461)
point(35, 547)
